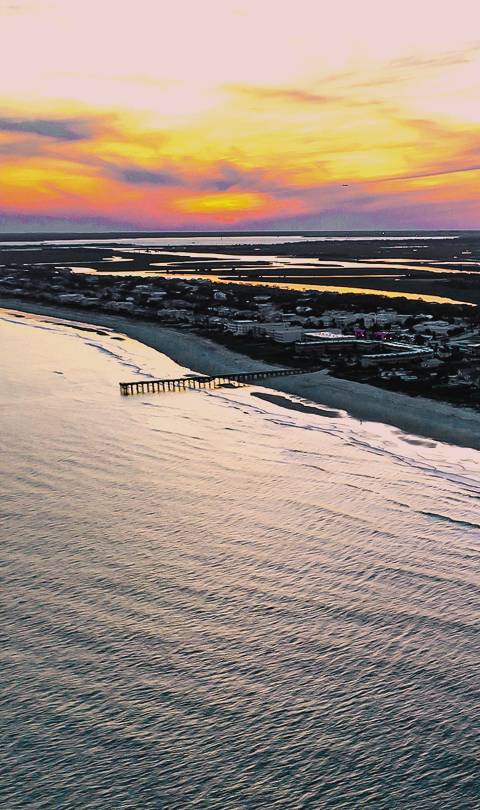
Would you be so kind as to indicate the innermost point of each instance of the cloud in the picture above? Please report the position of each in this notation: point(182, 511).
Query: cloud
point(14, 7)
point(224, 175)
point(146, 177)
point(410, 68)
point(447, 59)
point(24, 148)
point(439, 172)
point(288, 94)
point(221, 176)
point(33, 223)
point(57, 129)
point(388, 74)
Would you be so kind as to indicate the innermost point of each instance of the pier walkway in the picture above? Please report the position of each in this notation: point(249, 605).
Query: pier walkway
point(202, 381)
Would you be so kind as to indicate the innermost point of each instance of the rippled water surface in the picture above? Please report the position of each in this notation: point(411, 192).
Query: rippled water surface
point(210, 601)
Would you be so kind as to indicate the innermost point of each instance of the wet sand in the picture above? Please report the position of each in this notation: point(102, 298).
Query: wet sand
point(414, 415)
point(291, 405)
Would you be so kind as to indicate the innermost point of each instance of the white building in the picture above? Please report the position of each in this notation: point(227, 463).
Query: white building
point(438, 328)
point(283, 333)
point(382, 318)
point(241, 327)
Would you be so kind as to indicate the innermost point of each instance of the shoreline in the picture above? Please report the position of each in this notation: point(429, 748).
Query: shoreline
point(414, 415)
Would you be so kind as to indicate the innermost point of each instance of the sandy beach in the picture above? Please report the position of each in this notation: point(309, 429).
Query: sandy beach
point(415, 415)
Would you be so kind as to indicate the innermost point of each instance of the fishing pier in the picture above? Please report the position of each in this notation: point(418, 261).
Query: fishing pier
point(202, 381)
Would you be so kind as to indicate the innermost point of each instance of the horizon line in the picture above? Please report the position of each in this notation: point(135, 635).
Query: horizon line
point(281, 232)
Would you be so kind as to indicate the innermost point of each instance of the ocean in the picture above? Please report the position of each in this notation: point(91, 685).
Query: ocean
point(212, 601)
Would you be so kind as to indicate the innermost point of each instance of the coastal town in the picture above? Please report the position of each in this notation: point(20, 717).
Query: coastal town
point(402, 345)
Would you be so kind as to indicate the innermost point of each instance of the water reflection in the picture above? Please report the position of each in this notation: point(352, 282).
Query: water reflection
point(433, 299)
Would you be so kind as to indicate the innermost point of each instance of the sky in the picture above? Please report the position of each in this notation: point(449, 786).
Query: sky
point(239, 114)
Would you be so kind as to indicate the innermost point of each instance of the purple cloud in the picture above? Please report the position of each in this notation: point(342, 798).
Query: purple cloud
point(57, 129)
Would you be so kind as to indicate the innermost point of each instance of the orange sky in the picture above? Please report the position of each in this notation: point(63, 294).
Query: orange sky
point(231, 114)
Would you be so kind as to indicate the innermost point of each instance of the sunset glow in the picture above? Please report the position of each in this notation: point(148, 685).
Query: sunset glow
point(231, 114)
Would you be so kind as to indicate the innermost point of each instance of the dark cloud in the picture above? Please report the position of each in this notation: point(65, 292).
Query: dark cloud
point(221, 176)
point(146, 177)
point(227, 177)
point(57, 129)
point(224, 176)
